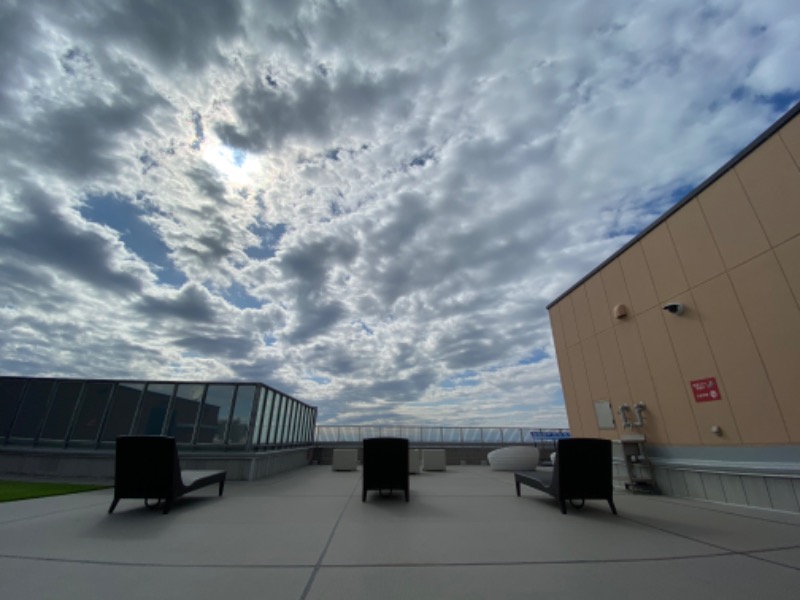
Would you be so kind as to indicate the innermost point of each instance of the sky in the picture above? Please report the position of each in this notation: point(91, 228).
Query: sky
point(367, 205)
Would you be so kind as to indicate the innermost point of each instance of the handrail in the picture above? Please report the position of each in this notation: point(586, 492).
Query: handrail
point(420, 434)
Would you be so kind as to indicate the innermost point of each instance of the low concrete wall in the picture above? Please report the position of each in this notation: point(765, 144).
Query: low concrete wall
point(762, 477)
point(776, 492)
point(98, 465)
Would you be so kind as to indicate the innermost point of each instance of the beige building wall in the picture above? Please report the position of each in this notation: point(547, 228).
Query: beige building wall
point(731, 255)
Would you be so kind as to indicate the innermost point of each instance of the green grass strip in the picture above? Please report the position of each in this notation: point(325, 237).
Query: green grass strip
point(23, 490)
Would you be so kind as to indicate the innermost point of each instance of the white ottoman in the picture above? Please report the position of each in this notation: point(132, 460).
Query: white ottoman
point(434, 459)
point(514, 458)
point(345, 459)
point(414, 460)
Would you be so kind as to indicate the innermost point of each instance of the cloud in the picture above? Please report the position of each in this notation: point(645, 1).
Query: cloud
point(68, 131)
point(367, 205)
point(224, 347)
point(171, 35)
point(20, 61)
point(305, 109)
point(45, 237)
point(191, 303)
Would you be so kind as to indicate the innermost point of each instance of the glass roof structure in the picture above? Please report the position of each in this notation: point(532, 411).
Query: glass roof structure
point(90, 413)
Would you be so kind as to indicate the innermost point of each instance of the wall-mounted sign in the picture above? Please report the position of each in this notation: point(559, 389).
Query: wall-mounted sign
point(605, 416)
point(706, 390)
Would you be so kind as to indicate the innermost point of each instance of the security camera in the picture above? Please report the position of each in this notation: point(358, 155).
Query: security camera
point(675, 308)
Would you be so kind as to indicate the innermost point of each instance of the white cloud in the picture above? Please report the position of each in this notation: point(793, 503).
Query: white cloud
point(366, 204)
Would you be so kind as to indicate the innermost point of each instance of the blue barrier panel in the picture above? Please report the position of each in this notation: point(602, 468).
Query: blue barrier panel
point(547, 436)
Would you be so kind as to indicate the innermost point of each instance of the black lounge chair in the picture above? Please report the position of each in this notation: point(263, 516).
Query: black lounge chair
point(148, 467)
point(582, 471)
point(385, 465)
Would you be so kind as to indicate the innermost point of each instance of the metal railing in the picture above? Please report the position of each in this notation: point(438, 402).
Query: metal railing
point(420, 435)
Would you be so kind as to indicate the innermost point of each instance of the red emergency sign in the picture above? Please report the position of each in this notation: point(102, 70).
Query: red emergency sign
point(706, 390)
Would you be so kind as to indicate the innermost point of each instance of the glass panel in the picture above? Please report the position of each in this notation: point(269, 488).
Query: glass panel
point(491, 435)
point(240, 420)
point(292, 437)
point(123, 409)
point(262, 393)
point(287, 422)
point(154, 409)
point(32, 411)
point(184, 412)
point(304, 434)
point(287, 427)
point(90, 413)
point(298, 423)
point(432, 435)
point(451, 435)
point(327, 434)
point(392, 431)
point(301, 423)
point(267, 423)
point(512, 436)
point(283, 432)
point(341, 433)
point(10, 399)
point(280, 414)
point(358, 434)
point(472, 435)
point(61, 410)
point(414, 434)
point(306, 425)
point(214, 414)
point(311, 424)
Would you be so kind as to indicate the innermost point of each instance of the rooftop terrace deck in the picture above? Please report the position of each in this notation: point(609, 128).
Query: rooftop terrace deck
point(464, 534)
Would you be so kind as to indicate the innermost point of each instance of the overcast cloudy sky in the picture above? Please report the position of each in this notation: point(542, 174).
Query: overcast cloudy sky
point(364, 204)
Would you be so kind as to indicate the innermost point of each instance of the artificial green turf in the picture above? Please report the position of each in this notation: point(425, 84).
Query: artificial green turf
point(22, 490)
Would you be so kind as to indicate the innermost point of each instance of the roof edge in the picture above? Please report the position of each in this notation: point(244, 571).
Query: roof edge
point(788, 116)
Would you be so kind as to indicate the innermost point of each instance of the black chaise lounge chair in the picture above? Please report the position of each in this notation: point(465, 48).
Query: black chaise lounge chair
point(582, 471)
point(385, 465)
point(147, 467)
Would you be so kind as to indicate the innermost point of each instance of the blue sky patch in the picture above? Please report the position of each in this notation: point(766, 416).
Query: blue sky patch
point(779, 102)
point(238, 296)
point(238, 156)
point(619, 231)
point(270, 236)
point(651, 209)
point(141, 239)
point(782, 101)
point(464, 379)
point(660, 204)
point(534, 357)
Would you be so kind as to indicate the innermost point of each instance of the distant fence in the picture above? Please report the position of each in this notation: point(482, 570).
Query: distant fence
point(456, 436)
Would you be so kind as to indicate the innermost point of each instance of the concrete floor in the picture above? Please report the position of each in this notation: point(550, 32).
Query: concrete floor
point(464, 534)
